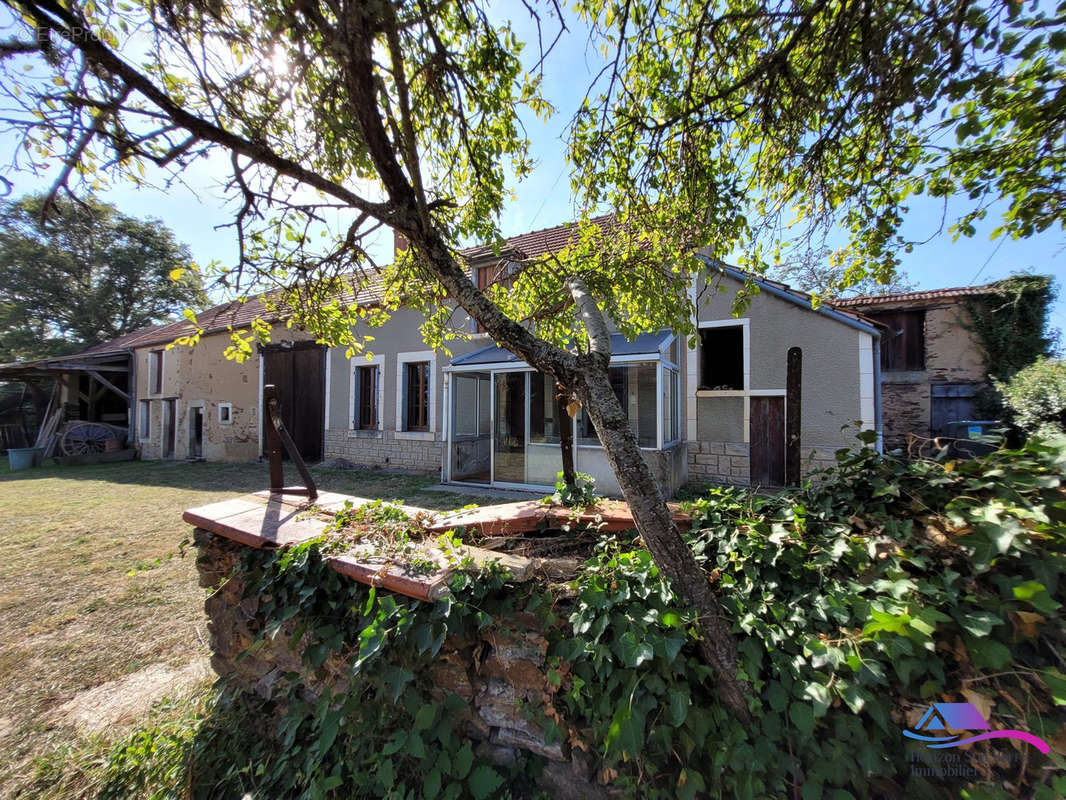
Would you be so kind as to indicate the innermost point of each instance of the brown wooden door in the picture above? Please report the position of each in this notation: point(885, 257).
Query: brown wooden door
point(299, 373)
point(767, 441)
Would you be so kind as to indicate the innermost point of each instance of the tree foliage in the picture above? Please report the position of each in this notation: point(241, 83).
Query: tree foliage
point(790, 123)
point(85, 274)
point(715, 125)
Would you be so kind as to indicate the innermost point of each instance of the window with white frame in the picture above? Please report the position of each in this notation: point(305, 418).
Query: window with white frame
point(366, 390)
point(722, 358)
point(416, 393)
point(635, 387)
point(225, 413)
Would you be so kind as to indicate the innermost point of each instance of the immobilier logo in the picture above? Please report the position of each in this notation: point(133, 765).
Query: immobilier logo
point(963, 717)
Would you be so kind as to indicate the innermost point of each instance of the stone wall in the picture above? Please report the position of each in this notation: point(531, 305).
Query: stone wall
point(384, 449)
point(719, 462)
point(500, 673)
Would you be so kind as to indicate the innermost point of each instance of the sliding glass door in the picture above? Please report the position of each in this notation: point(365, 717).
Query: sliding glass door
point(509, 434)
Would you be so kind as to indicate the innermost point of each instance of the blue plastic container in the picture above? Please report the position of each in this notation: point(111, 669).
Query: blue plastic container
point(22, 457)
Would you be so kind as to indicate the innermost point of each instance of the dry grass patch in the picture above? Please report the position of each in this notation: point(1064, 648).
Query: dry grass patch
point(95, 586)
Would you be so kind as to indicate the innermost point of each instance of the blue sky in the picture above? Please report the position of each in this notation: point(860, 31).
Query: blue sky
point(194, 211)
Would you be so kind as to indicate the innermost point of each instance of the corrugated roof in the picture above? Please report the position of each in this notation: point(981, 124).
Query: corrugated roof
point(905, 297)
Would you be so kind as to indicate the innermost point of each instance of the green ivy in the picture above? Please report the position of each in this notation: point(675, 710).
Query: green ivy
point(854, 601)
point(888, 585)
point(1011, 329)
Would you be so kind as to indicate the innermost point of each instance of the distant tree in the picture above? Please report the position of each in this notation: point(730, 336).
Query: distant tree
point(83, 274)
point(813, 272)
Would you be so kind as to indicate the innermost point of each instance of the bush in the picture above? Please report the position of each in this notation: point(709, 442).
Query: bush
point(1036, 397)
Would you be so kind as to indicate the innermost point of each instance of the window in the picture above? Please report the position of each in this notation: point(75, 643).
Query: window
point(155, 372)
point(635, 388)
point(144, 419)
point(722, 358)
point(671, 411)
point(903, 344)
point(544, 417)
point(416, 396)
point(501, 273)
point(471, 405)
point(225, 413)
point(367, 381)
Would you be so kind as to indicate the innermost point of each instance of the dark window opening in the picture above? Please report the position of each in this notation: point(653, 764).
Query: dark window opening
point(722, 358)
point(416, 378)
point(903, 344)
point(366, 415)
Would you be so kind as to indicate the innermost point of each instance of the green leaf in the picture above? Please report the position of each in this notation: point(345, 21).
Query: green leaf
point(978, 623)
point(424, 717)
point(776, 696)
point(1056, 684)
point(632, 651)
point(802, 716)
point(462, 762)
point(1034, 593)
point(484, 782)
point(677, 709)
point(819, 697)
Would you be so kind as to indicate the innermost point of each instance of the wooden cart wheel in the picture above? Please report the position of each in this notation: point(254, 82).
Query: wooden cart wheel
point(86, 438)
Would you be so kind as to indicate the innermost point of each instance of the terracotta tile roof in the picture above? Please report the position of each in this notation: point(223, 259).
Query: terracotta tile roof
point(535, 243)
point(905, 297)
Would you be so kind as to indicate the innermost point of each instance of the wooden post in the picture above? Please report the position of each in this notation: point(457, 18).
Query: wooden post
point(793, 408)
point(566, 434)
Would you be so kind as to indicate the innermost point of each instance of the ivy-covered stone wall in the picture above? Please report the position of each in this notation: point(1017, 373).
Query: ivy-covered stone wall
point(500, 674)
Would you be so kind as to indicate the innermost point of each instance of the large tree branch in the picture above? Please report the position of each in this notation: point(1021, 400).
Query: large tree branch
point(62, 21)
point(588, 311)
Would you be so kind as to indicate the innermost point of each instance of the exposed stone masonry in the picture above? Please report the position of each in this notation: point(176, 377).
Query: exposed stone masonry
point(383, 449)
point(500, 673)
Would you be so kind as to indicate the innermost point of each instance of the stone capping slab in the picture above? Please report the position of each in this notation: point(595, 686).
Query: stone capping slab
point(267, 520)
point(610, 516)
point(282, 519)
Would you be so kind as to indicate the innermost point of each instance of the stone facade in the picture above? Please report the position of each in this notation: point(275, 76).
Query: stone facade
point(719, 462)
point(499, 674)
point(385, 450)
point(952, 357)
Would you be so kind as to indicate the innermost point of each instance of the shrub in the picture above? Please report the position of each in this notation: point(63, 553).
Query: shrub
point(1036, 397)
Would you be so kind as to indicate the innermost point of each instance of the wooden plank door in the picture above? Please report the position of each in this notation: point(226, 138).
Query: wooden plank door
point(299, 373)
point(767, 441)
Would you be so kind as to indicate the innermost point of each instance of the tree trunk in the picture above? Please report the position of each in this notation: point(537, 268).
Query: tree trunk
point(656, 525)
point(566, 436)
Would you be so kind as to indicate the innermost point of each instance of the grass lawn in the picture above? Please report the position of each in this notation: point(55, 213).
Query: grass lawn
point(94, 587)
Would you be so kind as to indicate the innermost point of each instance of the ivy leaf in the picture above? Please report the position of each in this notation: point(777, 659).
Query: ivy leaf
point(776, 696)
point(1034, 593)
point(424, 717)
point(632, 651)
point(802, 716)
point(1056, 684)
point(677, 709)
point(484, 781)
point(462, 762)
point(978, 623)
point(819, 696)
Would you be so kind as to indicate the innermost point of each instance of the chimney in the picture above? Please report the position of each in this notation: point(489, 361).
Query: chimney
point(399, 244)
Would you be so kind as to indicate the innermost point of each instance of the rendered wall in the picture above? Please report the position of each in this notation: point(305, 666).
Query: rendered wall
point(202, 377)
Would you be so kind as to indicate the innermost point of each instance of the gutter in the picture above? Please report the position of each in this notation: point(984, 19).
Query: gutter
point(880, 444)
